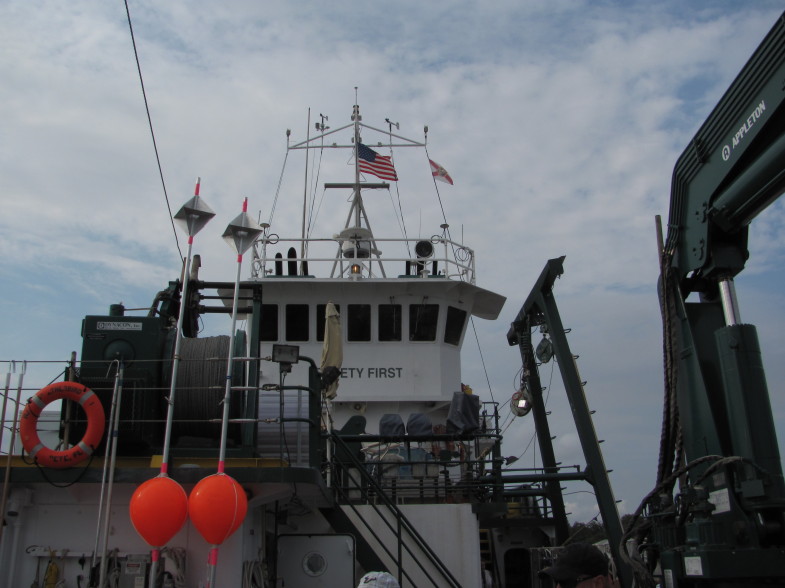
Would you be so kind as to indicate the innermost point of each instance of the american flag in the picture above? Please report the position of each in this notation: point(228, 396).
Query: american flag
point(372, 163)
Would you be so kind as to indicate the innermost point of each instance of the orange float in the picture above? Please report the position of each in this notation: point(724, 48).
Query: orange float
point(158, 509)
point(217, 507)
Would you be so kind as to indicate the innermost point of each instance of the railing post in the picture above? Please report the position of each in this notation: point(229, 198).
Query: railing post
point(315, 416)
point(250, 430)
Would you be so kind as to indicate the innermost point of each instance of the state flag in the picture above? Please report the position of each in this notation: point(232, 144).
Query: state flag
point(439, 173)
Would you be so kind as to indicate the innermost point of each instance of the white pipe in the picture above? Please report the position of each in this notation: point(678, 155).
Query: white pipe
point(730, 305)
point(12, 444)
point(229, 365)
point(115, 426)
point(12, 557)
point(105, 469)
point(176, 361)
point(6, 391)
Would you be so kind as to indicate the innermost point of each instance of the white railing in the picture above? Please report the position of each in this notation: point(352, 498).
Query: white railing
point(357, 256)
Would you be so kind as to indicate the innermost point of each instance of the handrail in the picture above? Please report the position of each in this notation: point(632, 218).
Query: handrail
point(450, 260)
point(6, 396)
point(399, 516)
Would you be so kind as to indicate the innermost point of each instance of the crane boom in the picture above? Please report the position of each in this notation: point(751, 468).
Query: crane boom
point(725, 524)
point(733, 168)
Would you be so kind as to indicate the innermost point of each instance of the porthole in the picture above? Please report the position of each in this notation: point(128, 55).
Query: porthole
point(314, 564)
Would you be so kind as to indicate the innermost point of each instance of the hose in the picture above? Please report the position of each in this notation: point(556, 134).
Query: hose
point(176, 555)
point(253, 574)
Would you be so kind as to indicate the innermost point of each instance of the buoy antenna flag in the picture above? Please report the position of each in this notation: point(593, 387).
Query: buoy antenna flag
point(241, 233)
point(159, 507)
point(194, 214)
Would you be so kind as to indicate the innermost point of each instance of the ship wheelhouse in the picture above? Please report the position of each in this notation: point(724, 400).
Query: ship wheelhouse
point(401, 338)
point(401, 335)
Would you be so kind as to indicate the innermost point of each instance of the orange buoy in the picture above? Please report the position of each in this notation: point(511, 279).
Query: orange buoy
point(96, 423)
point(158, 509)
point(217, 507)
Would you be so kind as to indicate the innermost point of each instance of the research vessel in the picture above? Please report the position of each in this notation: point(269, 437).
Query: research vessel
point(326, 434)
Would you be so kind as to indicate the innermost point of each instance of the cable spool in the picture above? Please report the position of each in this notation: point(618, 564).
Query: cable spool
point(201, 381)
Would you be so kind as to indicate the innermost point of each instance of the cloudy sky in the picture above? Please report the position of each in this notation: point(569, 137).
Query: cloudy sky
point(559, 120)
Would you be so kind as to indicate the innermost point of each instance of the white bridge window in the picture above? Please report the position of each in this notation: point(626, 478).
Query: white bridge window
point(456, 318)
point(390, 322)
point(359, 322)
point(423, 319)
point(268, 324)
point(423, 322)
point(297, 322)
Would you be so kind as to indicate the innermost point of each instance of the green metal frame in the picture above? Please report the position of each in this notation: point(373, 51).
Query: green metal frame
point(727, 521)
point(540, 309)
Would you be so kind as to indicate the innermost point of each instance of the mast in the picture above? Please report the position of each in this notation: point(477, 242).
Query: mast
point(357, 229)
point(305, 197)
point(357, 204)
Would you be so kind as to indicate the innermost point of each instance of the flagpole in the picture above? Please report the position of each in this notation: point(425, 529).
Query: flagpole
point(240, 235)
point(305, 195)
point(194, 215)
point(356, 118)
point(159, 506)
point(229, 366)
point(212, 560)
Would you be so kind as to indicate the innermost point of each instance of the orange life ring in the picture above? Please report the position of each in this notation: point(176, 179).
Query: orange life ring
point(96, 422)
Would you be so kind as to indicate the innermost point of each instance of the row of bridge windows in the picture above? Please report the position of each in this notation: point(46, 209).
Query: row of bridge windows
point(423, 322)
